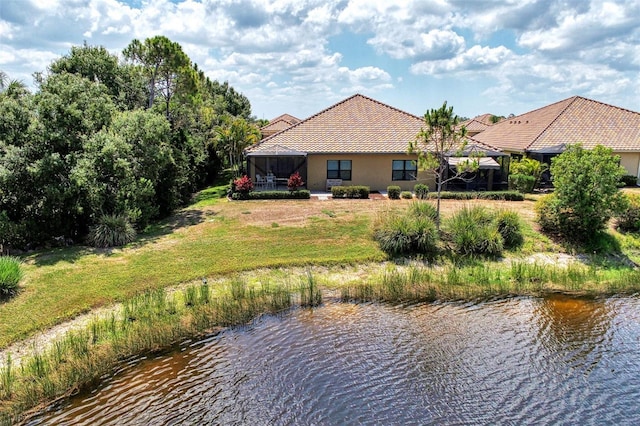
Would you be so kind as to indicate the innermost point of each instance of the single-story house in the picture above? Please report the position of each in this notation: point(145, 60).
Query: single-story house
point(545, 132)
point(358, 141)
point(278, 124)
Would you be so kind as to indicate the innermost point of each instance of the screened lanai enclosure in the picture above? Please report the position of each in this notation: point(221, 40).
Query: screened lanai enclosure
point(278, 161)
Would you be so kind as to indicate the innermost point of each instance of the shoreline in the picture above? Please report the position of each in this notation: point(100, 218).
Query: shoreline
point(44, 338)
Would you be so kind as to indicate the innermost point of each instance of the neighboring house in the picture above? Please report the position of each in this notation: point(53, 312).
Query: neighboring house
point(358, 141)
point(545, 132)
point(278, 124)
point(474, 126)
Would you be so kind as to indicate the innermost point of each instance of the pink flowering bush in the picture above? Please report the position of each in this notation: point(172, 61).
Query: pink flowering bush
point(294, 182)
point(243, 184)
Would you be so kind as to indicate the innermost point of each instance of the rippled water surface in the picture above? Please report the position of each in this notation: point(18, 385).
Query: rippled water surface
point(519, 361)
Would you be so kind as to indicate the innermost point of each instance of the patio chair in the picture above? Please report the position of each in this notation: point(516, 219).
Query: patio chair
point(260, 181)
point(271, 181)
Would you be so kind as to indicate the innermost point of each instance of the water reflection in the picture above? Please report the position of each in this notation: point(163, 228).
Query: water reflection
point(574, 330)
point(515, 361)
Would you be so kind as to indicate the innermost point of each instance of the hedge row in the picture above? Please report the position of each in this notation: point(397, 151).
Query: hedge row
point(350, 191)
point(482, 195)
point(302, 194)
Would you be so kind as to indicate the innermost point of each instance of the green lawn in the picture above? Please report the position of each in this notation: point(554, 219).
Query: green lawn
point(207, 242)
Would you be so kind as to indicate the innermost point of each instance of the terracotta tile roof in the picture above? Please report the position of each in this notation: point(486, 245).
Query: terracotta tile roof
point(278, 124)
point(357, 124)
point(573, 120)
point(475, 126)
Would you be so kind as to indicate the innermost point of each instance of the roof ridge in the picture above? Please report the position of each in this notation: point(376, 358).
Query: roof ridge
point(476, 141)
point(388, 106)
point(608, 105)
point(571, 100)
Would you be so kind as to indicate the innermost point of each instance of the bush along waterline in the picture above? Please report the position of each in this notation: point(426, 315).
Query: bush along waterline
point(148, 322)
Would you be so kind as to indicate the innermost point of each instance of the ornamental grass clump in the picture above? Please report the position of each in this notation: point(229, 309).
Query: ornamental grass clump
point(406, 234)
point(473, 231)
point(10, 275)
point(111, 231)
point(509, 226)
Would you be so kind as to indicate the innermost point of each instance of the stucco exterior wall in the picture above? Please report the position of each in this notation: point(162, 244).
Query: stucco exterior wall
point(630, 161)
point(372, 170)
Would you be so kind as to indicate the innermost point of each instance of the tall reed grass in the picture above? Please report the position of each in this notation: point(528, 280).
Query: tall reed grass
point(455, 282)
point(150, 321)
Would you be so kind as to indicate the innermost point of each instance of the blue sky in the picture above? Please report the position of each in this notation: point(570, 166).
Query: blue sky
point(301, 56)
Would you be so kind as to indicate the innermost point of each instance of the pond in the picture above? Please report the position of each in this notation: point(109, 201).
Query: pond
point(553, 360)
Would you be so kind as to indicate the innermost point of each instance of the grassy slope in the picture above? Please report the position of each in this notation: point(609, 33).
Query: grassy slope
point(63, 283)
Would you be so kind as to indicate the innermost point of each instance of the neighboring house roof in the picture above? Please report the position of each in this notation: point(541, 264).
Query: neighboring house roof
point(278, 124)
point(475, 126)
point(573, 120)
point(357, 125)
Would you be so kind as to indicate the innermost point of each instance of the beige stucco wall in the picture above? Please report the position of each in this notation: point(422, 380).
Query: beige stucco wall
point(372, 170)
point(630, 161)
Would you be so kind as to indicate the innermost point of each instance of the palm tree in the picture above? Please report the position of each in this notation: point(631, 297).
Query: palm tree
point(232, 138)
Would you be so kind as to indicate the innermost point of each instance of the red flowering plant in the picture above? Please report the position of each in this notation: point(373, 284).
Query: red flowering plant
point(294, 182)
point(243, 185)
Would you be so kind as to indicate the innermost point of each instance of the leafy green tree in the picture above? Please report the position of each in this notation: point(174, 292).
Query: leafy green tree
point(586, 193)
point(124, 84)
point(442, 137)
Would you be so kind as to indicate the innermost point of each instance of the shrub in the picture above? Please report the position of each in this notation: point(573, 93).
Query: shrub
point(527, 167)
point(629, 180)
point(522, 183)
point(406, 195)
point(473, 231)
point(483, 195)
point(294, 182)
point(350, 191)
point(393, 192)
point(629, 219)
point(10, 274)
point(423, 209)
point(421, 190)
point(243, 184)
point(509, 226)
point(302, 194)
point(586, 193)
point(111, 231)
point(406, 234)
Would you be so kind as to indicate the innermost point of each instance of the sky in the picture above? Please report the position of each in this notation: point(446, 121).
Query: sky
point(302, 56)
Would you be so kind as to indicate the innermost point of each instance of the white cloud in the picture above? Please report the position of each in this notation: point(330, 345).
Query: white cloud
point(476, 59)
point(517, 50)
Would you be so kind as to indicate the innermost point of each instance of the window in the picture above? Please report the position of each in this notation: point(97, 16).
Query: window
point(339, 169)
point(404, 170)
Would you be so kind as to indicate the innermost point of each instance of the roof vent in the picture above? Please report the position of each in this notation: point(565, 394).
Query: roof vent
point(518, 121)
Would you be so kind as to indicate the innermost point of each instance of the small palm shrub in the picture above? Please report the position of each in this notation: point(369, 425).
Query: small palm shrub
point(510, 227)
point(473, 231)
point(421, 190)
point(10, 275)
point(406, 234)
point(393, 192)
point(406, 195)
point(111, 231)
point(629, 219)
